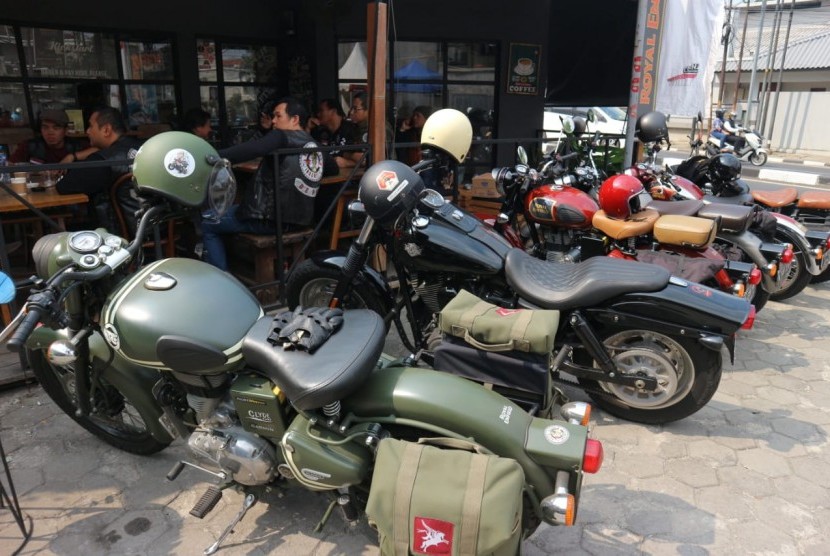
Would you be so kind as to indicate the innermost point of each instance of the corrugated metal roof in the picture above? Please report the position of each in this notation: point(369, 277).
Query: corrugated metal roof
point(810, 52)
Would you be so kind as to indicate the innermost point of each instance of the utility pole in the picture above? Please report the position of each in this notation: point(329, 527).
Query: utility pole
point(767, 83)
point(726, 34)
point(781, 71)
point(752, 97)
point(741, 57)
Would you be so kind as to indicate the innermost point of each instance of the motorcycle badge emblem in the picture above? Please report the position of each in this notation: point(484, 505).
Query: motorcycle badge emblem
point(179, 163)
point(387, 180)
point(502, 312)
point(556, 434)
point(111, 335)
point(432, 536)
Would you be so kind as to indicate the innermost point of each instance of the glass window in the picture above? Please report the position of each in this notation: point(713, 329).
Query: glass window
point(150, 104)
point(69, 54)
point(12, 105)
point(9, 62)
point(206, 59)
point(147, 60)
point(471, 61)
point(418, 61)
point(249, 64)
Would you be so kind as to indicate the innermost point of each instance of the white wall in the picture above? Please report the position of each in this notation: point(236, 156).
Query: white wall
point(801, 121)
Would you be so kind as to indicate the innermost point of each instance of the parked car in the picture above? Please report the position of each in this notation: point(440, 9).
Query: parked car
point(609, 120)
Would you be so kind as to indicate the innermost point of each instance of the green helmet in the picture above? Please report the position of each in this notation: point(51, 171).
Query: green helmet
point(185, 169)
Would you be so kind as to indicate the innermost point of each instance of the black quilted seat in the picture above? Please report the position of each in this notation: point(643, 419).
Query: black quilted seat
point(331, 373)
point(567, 286)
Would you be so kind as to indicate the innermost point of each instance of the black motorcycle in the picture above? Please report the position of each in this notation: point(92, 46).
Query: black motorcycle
point(644, 345)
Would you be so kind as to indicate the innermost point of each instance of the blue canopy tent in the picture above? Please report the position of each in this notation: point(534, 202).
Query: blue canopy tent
point(416, 71)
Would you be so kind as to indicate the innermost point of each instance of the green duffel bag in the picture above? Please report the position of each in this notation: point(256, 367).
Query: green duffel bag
point(447, 500)
point(492, 328)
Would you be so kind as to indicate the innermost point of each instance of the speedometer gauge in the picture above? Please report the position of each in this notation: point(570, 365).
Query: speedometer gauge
point(85, 242)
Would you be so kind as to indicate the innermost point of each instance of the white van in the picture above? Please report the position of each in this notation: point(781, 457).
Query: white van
point(610, 120)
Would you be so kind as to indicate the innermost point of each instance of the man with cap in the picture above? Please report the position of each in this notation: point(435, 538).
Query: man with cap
point(53, 145)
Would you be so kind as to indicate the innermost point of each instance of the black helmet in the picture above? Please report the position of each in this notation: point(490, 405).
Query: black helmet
point(579, 126)
point(725, 167)
point(651, 127)
point(719, 114)
point(388, 189)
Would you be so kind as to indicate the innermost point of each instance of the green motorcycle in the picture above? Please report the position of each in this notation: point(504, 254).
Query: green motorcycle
point(179, 348)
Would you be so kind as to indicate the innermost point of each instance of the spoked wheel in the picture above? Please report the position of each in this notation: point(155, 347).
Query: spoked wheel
point(312, 285)
point(796, 279)
point(114, 417)
point(687, 375)
point(758, 159)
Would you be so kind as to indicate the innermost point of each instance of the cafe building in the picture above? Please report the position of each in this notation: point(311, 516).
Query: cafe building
point(497, 61)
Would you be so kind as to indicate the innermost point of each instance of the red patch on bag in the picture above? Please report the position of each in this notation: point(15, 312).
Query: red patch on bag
point(502, 312)
point(432, 536)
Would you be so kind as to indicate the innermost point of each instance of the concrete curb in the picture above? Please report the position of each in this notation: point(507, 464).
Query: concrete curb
point(771, 174)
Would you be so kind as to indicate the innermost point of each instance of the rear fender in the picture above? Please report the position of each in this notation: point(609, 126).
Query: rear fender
point(418, 397)
point(367, 276)
point(750, 244)
point(791, 231)
point(136, 380)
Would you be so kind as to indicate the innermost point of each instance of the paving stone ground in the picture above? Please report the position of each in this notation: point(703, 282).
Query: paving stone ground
point(748, 474)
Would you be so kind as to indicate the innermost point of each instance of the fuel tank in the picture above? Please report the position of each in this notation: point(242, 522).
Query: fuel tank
point(451, 240)
point(181, 315)
point(561, 205)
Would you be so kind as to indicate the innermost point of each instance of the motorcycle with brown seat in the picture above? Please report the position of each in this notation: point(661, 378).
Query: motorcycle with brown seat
point(303, 399)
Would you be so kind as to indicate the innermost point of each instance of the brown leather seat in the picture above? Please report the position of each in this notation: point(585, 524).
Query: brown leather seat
point(636, 225)
point(778, 198)
point(814, 200)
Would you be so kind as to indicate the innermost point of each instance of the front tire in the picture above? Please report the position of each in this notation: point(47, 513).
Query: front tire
point(117, 417)
point(758, 159)
point(312, 285)
point(688, 374)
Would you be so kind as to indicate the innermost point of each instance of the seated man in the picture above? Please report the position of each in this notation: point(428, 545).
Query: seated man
point(107, 133)
point(300, 176)
point(335, 130)
point(52, 145)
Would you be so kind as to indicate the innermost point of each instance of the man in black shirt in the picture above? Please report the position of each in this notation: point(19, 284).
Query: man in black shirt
point(107, 133)
point(335, 130)
point(299, 175)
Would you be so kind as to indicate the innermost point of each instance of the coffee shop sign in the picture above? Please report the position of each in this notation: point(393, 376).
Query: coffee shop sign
point(62, 48)
point(523, 72)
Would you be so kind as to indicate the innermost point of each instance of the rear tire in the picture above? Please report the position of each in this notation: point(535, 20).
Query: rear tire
point(821, 278)
point(796, 280)
point(688, 375)
point(312, 285)
point(116, 419)
point(759, 300)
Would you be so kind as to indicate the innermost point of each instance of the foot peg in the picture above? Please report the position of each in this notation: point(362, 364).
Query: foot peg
point(249, 501)
point(207, 502)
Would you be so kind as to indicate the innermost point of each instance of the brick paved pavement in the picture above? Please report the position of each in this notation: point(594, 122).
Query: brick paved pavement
point(749, 474)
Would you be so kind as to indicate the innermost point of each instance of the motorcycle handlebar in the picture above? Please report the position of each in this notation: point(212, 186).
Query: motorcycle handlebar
point(18, 339)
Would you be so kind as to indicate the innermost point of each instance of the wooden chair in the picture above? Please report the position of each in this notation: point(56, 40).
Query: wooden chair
point(168, 242)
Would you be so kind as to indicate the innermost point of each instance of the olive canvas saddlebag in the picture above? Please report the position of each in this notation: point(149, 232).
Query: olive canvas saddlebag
point(492, 328)
point(448, 498)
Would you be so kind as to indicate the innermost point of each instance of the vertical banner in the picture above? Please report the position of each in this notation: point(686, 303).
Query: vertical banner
point(523, 72)
point(688, 55)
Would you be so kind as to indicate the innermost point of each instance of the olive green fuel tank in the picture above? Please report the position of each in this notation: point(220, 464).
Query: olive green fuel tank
point(182, 315)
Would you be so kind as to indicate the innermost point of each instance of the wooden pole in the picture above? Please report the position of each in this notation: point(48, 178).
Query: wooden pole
point(377, 48)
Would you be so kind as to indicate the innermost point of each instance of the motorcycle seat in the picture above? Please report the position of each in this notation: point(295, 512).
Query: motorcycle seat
point(814, 200)
point(777, 198)
point(334, 371)
point(639, 224)
point(689, 207)
point(686, 231)
point(566, 286)
point(732, 218)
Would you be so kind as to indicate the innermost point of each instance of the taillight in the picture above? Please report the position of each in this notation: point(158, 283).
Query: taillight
point(827, 243)
point(750, 319)
point(788, 255)
point(592, 460)
point(755, 277)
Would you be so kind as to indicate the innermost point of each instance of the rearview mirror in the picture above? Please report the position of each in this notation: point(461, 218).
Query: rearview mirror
point(568, 125)
point(522, 154)
point(592, 117)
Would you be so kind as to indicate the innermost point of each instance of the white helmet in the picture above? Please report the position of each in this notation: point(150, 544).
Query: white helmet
point(448, 130)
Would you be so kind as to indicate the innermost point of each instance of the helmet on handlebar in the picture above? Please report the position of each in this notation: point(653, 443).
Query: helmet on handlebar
point(580, 124)
point(388, 189)
point(725, 167)
point(185, 169)
point(621, 196)
point(651, 127)
point(448, 130)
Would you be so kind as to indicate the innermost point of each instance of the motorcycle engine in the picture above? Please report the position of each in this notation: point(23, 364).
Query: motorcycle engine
point(245, 457)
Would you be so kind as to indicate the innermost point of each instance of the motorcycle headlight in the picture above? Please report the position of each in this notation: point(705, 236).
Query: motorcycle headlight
point(221, 188)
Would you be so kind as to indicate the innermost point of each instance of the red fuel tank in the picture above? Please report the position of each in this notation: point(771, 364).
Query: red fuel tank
point(561, 206)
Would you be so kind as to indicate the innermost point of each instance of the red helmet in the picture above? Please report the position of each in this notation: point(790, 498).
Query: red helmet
point(621, 196)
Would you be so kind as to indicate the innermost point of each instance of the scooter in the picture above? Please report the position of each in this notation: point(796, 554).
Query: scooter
point(753, 149)
point(181, 349)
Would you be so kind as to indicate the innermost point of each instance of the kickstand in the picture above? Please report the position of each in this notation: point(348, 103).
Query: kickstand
point(326, 516)
point(249, 501)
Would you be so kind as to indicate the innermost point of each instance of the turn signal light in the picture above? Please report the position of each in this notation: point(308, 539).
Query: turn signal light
point(576, 413)
point(750, 319)
point(772, 268)
point(755, 277)
point(592, 460)
point(739, 289)
point(787, 256)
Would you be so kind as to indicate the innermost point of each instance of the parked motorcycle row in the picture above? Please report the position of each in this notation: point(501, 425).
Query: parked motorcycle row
point(141, 355)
